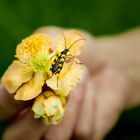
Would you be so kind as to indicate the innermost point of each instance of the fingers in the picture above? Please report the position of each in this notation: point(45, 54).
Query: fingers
point(84, 124)
point(25, 128)
point(64, 130)
point(110, 101)
point(50, 30)
point(8, 106)
point(108, 49)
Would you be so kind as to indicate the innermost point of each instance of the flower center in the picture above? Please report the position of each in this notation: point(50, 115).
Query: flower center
point(31, 46)
point(34, 51)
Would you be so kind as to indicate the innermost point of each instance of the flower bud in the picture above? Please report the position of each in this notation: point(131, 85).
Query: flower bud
point(49, 107)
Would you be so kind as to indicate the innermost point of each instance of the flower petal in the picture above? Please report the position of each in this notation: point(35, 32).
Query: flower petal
point(71, 36)
point(38, 107)
point(31, 89)
point(15, 76)
point(67, 80)
point(52, 104)
point(54, 110)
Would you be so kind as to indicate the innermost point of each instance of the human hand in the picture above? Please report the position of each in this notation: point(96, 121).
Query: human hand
point(95, 105)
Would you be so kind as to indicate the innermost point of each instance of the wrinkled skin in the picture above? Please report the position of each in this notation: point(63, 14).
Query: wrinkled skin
point(112, 85)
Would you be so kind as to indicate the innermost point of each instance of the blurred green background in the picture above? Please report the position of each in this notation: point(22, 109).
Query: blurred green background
point(19, 18)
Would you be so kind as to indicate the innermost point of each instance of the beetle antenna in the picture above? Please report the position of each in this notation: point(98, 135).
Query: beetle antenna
point(64, 40)
point(76, 42)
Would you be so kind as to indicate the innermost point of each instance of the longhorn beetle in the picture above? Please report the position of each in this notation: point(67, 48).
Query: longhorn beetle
point(60, 58)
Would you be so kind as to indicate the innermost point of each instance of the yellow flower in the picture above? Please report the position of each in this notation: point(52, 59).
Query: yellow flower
point(35, 56)
point(28, 73)
point(50, 107)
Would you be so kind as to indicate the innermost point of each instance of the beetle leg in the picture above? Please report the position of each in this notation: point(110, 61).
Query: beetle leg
point(57, 80)
point(74, 59)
